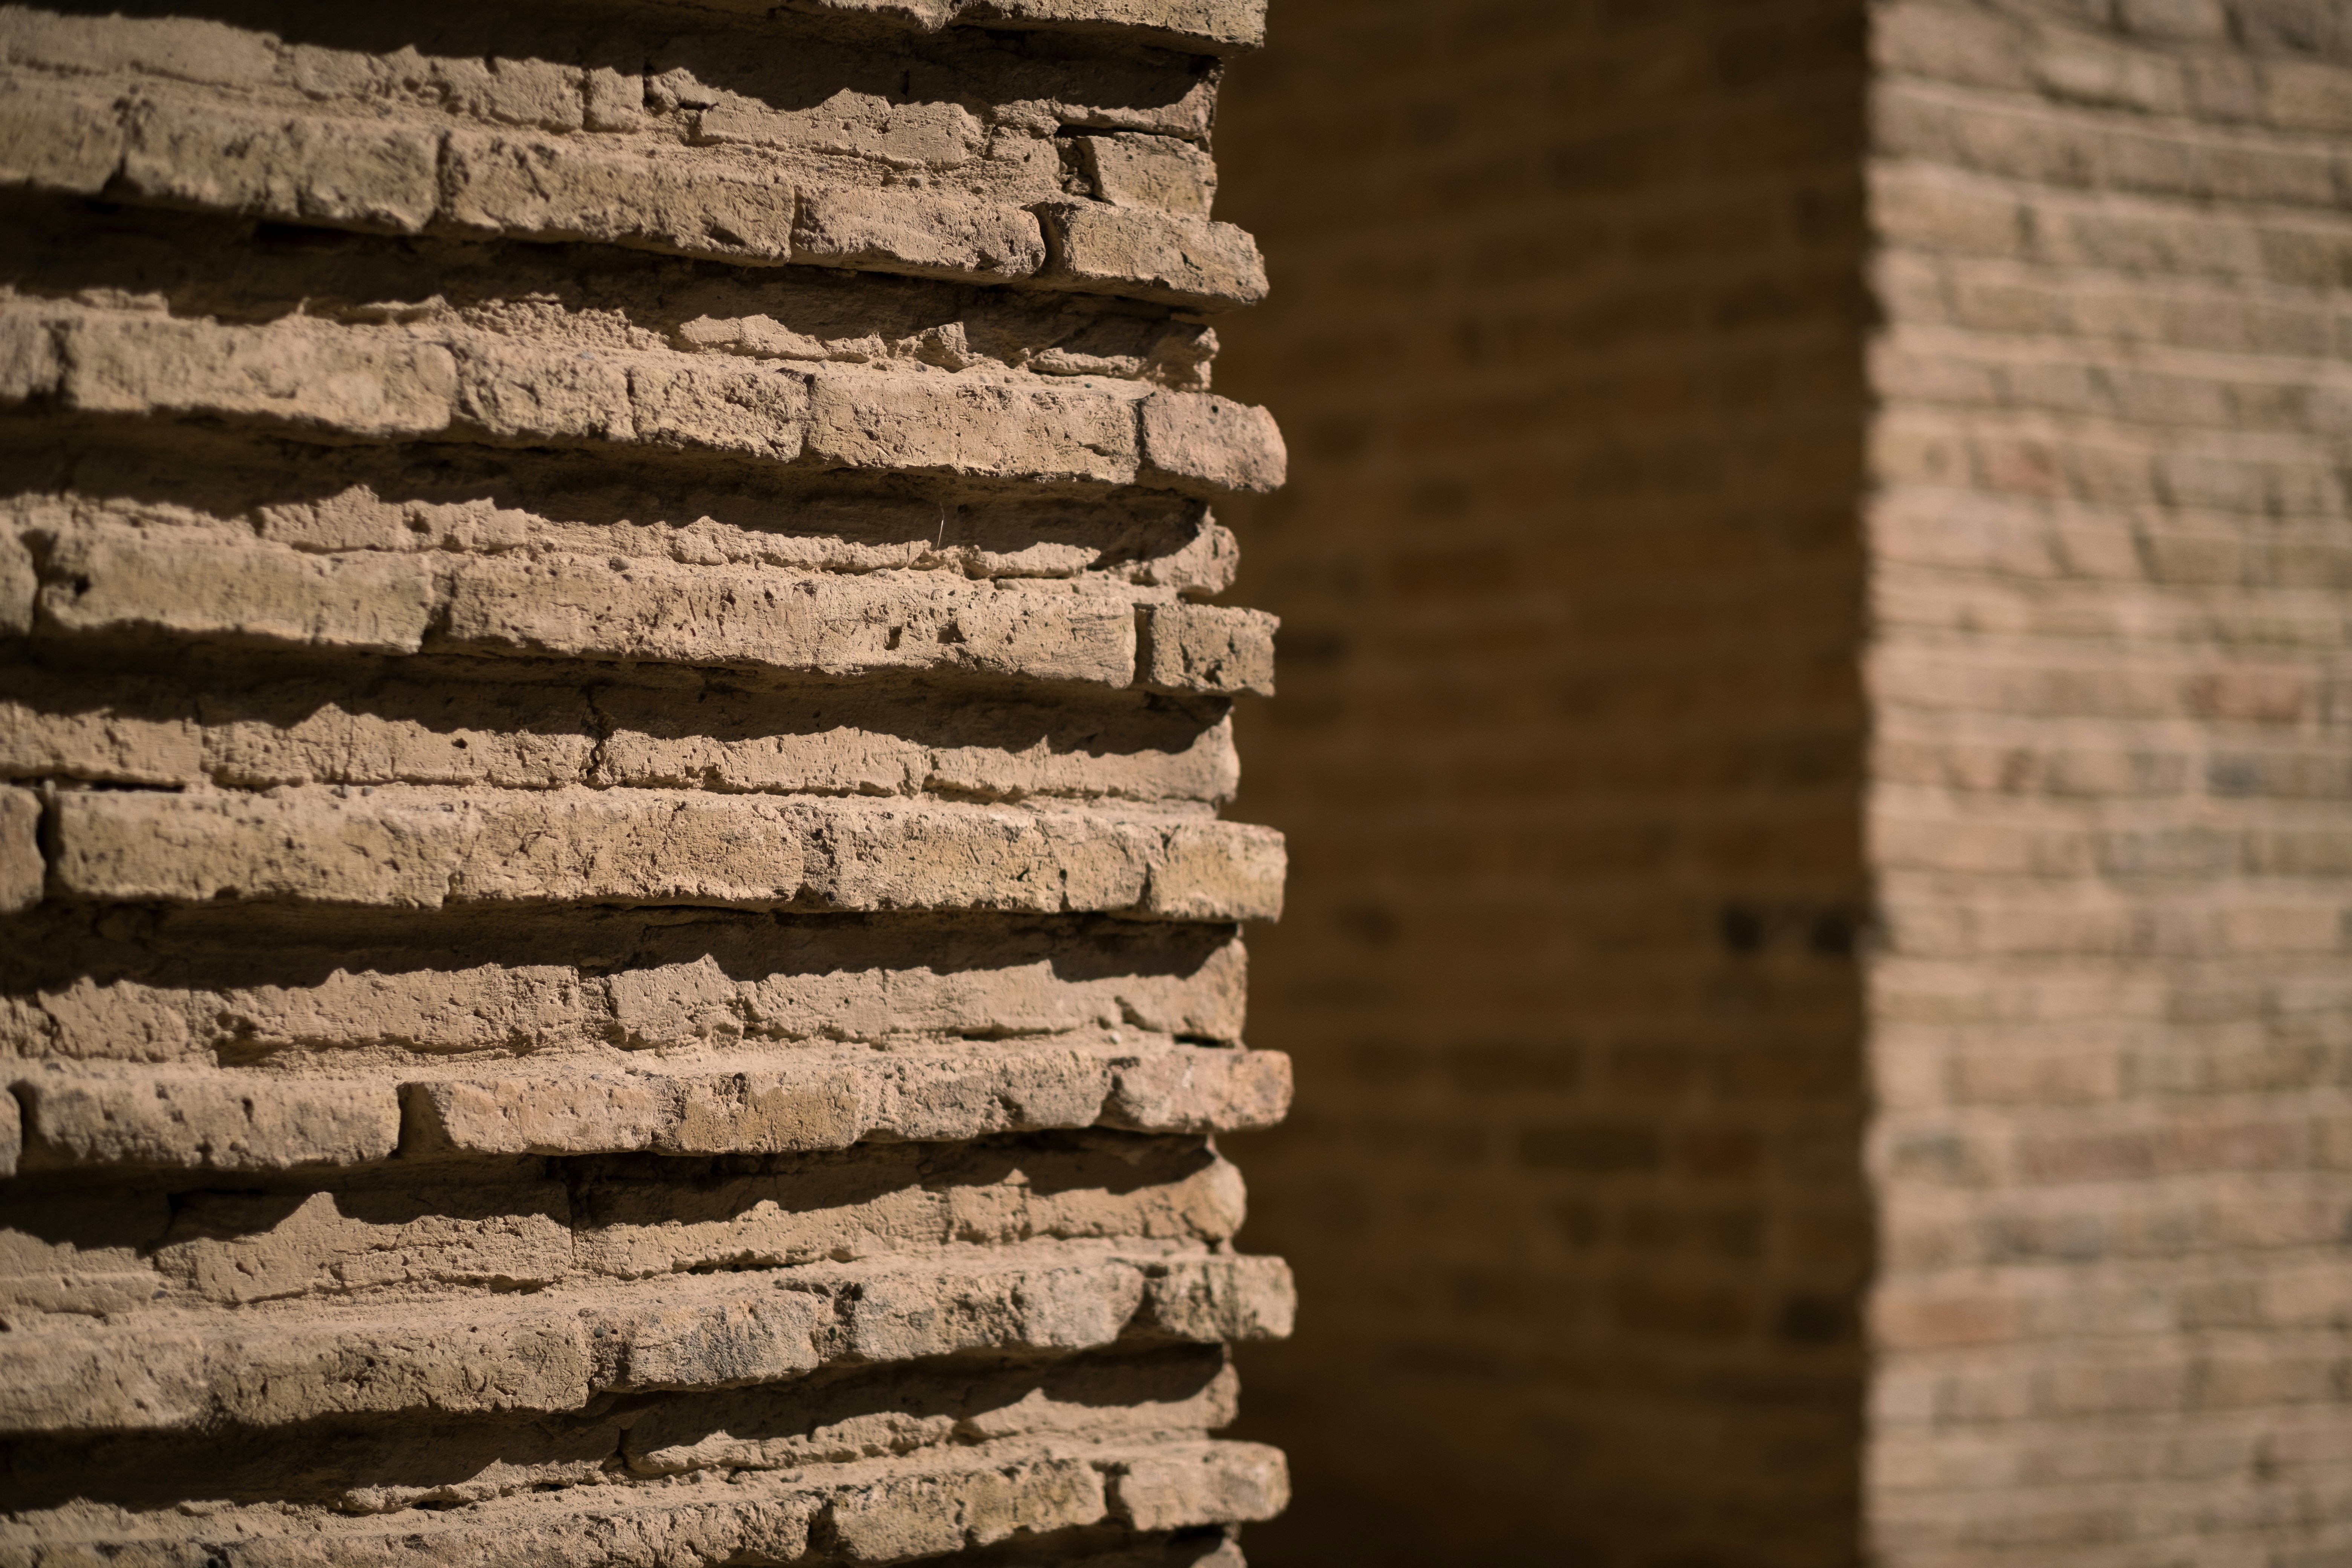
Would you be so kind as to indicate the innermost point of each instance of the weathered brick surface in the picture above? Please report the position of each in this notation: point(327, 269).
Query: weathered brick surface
point(2109, 807)
point(615, 944)
point(670, 131)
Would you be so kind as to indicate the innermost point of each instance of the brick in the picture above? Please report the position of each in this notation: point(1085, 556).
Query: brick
point(758, 412)
point(372, 384)
point(1230, 871)
point(299, 167)
point(554, 190)
point(45, 729)
point(186, 48)
point(1127, 169)
point(759, 1109)
point(422, 850)
point(1139, 251)
point(1204, 648)
point(119, 582)
point(871, 422)
point(203, 1123)
point(523, 394)
point(922, 235)
point(57, 140)
point(1233, 1482)
point(23, 869)
point(696, 615)
point(1196, 442)
point(907, 1516)
point(511, 1360)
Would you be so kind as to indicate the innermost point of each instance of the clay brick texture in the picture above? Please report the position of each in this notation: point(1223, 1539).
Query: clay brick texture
point(617, 943)
point(1815, 750)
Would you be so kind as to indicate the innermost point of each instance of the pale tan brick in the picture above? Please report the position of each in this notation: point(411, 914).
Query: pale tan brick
point(204, 1123)
point(420, 848)
point(915, 234)
point(1202, 647)
point(117, 582)
point(54, 138)
point(1233, 1482)
point(1139, 251)
point(182, 48)
point(1130, 169)
point(942, 425)
point(368, 175)
point(365, 383)
point(23, 869)
point(559, 190)
point(1195, 441)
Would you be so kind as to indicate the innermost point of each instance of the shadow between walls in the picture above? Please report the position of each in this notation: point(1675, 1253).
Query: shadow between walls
point(1566, 340)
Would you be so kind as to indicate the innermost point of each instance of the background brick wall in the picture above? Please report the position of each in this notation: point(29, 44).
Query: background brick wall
point(2112, 762)
point(1566, 337)
point(1580, 334)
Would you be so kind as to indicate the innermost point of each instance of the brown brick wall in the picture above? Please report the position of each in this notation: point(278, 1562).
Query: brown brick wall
point(1567, 339)
point(2111, 768)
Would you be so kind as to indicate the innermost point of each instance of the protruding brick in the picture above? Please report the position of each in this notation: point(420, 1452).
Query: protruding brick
point(1198, 442)
point(1207, 647)
point(1176, 256)
point(1230, 1482)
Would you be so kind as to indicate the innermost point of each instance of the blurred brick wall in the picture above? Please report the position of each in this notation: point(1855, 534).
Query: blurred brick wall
point(1567, 338)
point(1570, 334)
point(2112, 808)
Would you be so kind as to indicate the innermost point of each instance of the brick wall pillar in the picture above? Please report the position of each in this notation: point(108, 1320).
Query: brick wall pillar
point(615, 942)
